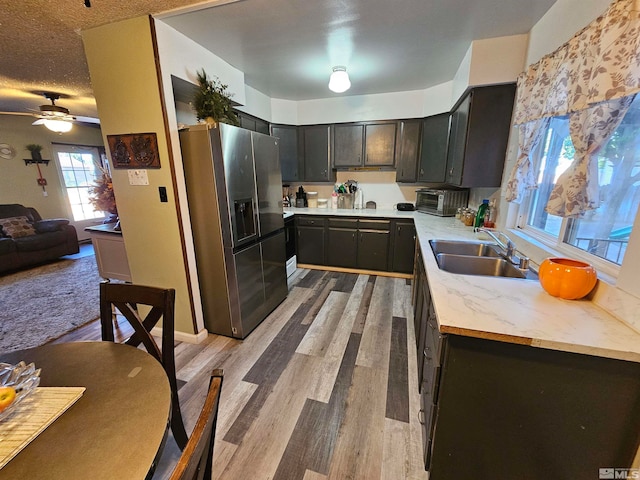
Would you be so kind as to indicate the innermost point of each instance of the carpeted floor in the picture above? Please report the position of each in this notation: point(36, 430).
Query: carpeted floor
point(42, 303)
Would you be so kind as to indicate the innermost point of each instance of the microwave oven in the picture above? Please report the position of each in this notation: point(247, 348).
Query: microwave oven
point(442, 202)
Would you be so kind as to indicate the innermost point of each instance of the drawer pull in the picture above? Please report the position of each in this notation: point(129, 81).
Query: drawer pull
point(426, 355)
point(421, 417)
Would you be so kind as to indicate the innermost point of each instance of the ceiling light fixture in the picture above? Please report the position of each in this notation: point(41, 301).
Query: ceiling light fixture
point(339, 81)
point(58, 126)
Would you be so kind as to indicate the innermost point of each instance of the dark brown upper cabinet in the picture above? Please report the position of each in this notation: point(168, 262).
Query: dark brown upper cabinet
point(433, 152)
point(478, 136)
point(316, 155)
point(348, 142)
point(408, 151)
point(290, 157)
point(366, 144)
point(252, 123)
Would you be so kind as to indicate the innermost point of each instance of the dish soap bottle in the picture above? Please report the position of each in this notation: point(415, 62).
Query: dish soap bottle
point(482, 211)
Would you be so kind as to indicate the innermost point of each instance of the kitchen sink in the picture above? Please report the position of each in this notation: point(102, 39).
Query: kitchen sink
point(476, 249)
point(475, 258)
point(470, 265)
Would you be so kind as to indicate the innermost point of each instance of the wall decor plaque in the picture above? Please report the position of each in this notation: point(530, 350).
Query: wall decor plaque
point(134, 150)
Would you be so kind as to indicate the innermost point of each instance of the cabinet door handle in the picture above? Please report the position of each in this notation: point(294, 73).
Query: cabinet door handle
point(421, 417)
point(426, 355)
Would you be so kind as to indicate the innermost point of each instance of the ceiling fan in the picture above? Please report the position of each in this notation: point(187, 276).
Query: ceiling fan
point(57, 118)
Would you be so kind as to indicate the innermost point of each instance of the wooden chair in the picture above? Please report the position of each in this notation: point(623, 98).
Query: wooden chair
point(197, 458)
point(126, 298)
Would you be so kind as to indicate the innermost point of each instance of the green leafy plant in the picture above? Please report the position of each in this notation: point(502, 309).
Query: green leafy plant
point(212, 100)
point(34, 147)
point(35, 150)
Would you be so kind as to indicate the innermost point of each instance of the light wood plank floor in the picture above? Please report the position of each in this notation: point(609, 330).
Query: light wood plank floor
point(324, 388)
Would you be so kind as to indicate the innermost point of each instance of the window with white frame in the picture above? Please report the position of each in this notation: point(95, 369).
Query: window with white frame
point(79, 169)
point(603, 232)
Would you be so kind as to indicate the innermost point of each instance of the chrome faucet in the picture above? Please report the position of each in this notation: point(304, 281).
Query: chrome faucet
point(508, 247)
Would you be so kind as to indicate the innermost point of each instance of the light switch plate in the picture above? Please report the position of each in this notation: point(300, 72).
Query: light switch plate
point(138, 177)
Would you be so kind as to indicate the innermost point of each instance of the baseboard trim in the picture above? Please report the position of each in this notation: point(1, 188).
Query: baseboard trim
point(355, 270)
point(183, 336)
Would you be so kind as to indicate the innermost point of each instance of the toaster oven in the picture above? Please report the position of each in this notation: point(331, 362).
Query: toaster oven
point(442, 202)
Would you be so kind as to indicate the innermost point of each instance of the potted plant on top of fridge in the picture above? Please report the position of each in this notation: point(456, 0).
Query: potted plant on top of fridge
point(211, 101)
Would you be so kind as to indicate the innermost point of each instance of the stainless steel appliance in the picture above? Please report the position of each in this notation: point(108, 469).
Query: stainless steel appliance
point(442, 202)
point(234, 188)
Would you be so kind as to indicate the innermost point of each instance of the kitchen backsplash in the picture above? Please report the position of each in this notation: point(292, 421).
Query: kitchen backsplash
point(381, 187)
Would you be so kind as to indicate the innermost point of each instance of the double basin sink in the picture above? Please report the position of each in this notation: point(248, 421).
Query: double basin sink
point(475, 258)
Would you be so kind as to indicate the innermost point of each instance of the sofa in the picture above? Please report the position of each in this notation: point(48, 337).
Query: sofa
point(26, 239)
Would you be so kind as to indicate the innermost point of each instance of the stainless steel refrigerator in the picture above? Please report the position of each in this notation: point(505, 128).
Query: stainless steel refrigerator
point(234, 188)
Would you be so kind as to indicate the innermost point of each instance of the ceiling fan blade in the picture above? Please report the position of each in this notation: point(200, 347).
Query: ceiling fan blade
point(40, 121)
point(82, 119)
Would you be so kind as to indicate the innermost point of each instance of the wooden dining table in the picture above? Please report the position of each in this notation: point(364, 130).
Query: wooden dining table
point(115, 430)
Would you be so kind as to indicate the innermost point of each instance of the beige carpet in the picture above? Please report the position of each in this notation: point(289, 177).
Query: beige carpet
point(43, 303)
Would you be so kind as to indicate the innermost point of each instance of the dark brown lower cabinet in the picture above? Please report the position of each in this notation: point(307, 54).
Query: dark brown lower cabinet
point(311, 240)
point(373, 249)
point(404, 244)
point(343, 247)
point(514, 411)
point(380, 244)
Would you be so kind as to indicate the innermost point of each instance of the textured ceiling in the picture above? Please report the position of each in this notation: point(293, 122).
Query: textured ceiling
point(285, 47)
point(41, 48)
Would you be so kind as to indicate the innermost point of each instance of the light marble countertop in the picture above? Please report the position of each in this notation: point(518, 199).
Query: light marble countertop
point(507, 309)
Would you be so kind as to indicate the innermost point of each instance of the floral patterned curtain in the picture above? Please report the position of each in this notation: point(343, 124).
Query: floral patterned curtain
point(522, 177)
point(600, 63)
point(576, 190)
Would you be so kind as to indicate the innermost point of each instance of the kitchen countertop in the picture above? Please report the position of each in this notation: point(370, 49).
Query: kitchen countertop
point(507, 309)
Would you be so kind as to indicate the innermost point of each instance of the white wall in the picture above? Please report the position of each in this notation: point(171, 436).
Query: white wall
point(354, 108)
point(182, 57)
point(461, 78)
point(497, 60)
point(257, 104)
point(563, 20)
point(491, 61)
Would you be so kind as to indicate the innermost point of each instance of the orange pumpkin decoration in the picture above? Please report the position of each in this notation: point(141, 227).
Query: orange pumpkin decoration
point(567, 278)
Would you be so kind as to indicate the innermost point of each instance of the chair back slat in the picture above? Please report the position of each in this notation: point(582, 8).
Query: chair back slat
point(197, 458)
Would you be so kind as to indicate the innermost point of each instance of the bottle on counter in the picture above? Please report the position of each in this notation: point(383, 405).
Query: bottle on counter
point(482, 210)
point(359, 199)
point(491, 214)
point(334, 199)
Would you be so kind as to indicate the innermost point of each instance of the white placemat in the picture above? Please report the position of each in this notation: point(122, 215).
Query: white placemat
point(32, 416)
